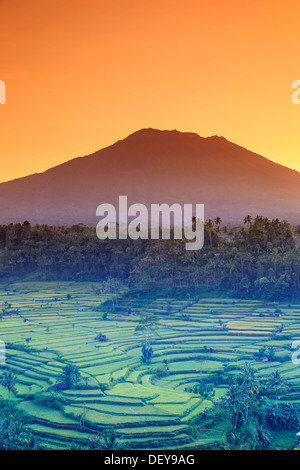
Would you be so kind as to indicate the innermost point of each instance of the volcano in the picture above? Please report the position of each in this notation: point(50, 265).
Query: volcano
point(156, 166)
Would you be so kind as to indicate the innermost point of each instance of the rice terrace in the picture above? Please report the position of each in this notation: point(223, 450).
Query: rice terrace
point(47, 326)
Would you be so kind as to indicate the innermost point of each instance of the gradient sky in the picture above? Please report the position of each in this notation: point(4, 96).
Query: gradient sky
point(81, 74)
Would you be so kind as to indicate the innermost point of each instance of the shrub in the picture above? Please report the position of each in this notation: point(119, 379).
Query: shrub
point(283, 417)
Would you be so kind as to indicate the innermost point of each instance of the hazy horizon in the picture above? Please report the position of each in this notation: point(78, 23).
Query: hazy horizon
point(81, 76)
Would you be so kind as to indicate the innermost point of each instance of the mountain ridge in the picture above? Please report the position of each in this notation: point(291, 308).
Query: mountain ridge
point(156, 166)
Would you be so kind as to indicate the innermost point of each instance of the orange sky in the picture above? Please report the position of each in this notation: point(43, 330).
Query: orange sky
point(81, 74)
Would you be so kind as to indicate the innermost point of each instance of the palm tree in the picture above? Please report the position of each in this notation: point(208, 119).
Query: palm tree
point(5, 431)
point(248, 220)
point(263, 438)
point(147, 326)
point(19, 432)
point(210, 227)
point(277, 381)
point(218, 222)
point(234, 441)
point(234, 401)
point(9, 381)
point(14, 434)
point(249, 386)
point(110, 440)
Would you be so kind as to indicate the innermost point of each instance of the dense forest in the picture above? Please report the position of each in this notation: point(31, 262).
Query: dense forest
point(259, 259)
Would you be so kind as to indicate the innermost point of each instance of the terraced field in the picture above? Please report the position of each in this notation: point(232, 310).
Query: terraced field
point(54, 324)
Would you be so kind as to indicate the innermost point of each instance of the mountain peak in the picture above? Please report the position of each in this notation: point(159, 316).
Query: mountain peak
point(169, 134)
point(152, 132)
point(157, 166)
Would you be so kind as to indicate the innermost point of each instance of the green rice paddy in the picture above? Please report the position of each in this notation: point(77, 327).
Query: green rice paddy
point(56, 324)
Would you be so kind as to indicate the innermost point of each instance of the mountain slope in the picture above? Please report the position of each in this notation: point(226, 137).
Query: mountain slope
point(152, 166)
